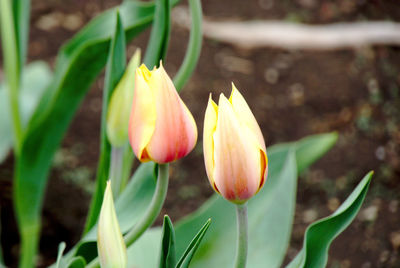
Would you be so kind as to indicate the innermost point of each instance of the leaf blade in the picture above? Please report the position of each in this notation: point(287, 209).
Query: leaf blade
point(115, 68)
point(167, 255)
point(321, 233)
point(193, 246)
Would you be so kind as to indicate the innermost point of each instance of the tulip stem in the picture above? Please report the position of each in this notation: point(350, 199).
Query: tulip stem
point(151, 214)
point(116, 169)
point(242, 238)
point(154, 208)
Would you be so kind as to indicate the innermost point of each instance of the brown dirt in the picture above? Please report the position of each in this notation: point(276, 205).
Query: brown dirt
point(292, 94)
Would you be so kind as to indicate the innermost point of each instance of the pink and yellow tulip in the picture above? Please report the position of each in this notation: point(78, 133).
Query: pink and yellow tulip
point(234, 150)
point(161, 128)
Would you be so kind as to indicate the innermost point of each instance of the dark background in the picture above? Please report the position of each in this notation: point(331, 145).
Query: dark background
point(354, 92)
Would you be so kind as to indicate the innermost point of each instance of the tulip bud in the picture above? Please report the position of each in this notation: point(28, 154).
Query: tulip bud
point(121, 103)
point(234, 150)
point(161, 128)
point(110, 243)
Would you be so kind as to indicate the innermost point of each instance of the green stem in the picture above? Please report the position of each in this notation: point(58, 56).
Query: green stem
point(242, 238)
point(11, 67)
point(29, 242)
point(151, 214)
point(115, 172)
point(128, 159)
point(194, 47)
point(154, 208)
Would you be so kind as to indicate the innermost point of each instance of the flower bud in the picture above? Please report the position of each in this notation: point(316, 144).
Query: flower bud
point(161, 128)
point(121, 103)
point(234, 150)
point(110, 243)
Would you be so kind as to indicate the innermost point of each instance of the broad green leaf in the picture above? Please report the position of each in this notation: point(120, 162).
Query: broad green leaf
point(308, 149)
point(35, 78)
point(115, 68)
point(320, 234)
point(143, 253)
point(192, 247)
point(306, 155)
point(268, 240)
point(167, 256)
point(77, 262)
point(159, 37)
point(78, 64)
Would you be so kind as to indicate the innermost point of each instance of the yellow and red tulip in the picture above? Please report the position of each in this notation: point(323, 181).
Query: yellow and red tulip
point(234, 149)
point(161, 128)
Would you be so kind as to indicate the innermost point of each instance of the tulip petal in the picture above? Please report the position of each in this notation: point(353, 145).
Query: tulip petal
point(238, 170)
point(244, 114)
point(110, 243)
point(120, 105)
point(143, 114)
point(210, 124)
point(175, 132)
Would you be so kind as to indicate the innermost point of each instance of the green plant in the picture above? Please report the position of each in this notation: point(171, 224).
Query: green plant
point(34, 126)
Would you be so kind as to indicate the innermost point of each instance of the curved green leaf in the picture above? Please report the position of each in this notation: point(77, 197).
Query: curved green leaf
point(192, 247)
point(319, 235)
point(115, 68)
point(61, 248)
point(306, 155)
point(167, 256)
point(77, 262)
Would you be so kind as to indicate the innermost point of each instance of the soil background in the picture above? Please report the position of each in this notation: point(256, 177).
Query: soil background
point(292, 93)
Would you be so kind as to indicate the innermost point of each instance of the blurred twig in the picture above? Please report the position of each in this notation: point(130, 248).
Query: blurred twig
point(280, 34)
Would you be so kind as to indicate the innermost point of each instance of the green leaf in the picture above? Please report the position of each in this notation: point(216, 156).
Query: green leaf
point(21, 9)
point(193, 246)
point(320, 234)
point(270, 238)
point(306, 155)
point(308, 149)
point(78, 64)
point(115, 69)
point(77, 262)
point(167, 256)
point(11, 68)
point(35, 78)
point(61, 248)
point(159, 37)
